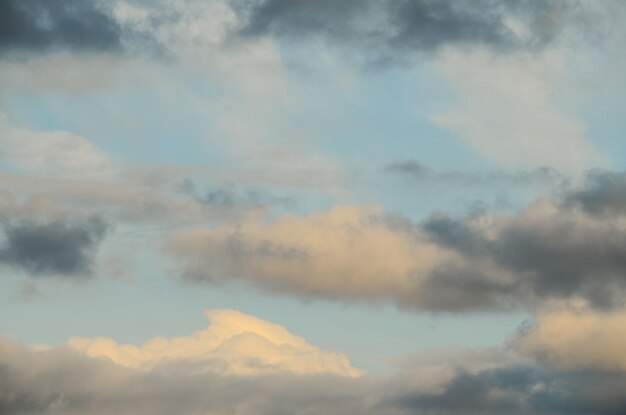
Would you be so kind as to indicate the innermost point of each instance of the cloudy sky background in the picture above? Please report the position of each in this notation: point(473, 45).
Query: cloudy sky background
point(305, 207)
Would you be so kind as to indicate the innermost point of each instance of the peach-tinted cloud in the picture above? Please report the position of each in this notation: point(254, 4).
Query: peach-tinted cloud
point(571, 338)
point(551, 250)
point(233, 343)
point(345, 253)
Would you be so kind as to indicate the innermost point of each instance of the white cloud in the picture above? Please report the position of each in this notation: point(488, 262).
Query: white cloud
point(233, 343)
point(52, 154)
point(506, 114)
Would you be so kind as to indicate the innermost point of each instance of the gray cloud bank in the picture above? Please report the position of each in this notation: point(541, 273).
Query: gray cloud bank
point(523, 390)
point(388, 30)
point(558, 248)
point(393, 28)
point(59, 381)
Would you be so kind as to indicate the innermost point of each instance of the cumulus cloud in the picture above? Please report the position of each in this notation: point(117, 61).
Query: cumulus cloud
point(234, 343)
point(576, 338)
point(36, 25)
point(552, 249)
point(62, 381)
point(40, 238)
point(346, 253)
point(61, 247)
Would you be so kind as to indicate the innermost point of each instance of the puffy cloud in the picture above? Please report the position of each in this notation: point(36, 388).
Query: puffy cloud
point(576, 338)
point(549, 251)
point(233, 343)
point(346, 253)
point(61, 381)
point(553, 249)
point(42, 239)
point(62, 247)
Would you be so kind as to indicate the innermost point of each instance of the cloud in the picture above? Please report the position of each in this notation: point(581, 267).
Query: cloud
point(576, 338)
point(234, 343)
point(61, 248)
point(505, 111)
point(417, 172)
point(346, 253)
point(383, 31)
point(62, 381)
point(549, 250)
point(40, 25)
point(603, 193)
point(521, 389)
point(392, 30)
point(53, 154)
point(230, 198)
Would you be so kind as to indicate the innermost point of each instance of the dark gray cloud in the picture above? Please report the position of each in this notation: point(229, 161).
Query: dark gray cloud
point(62, 248)
point(389, 29)
point(604, 193)
point(523, 390)
point(417, 172)
point(567, 247)
point(559, 254)
point(37, 25)
point(383, 32)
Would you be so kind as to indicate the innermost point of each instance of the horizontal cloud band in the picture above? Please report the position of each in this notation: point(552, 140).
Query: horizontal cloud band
point(557, 248)
point(63, 380)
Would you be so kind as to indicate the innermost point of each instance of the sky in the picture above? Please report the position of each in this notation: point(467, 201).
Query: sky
point(373, 207)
